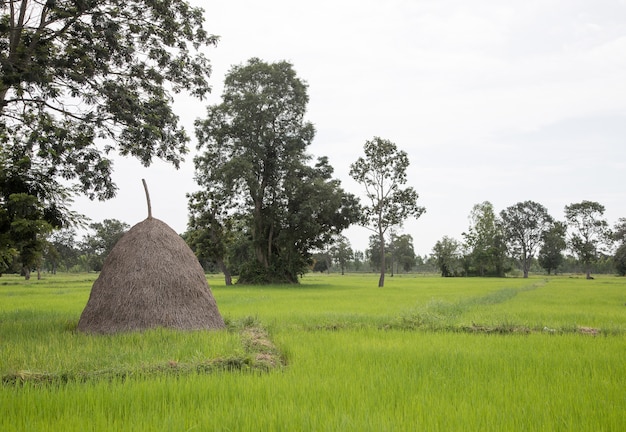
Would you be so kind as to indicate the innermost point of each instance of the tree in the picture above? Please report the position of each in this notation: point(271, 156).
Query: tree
point(254, 159)
point(101, 242)
point(619, 236)
point(209, 225)
point(589, 231)
point(485, 241)
point(341, 252)
point(447, 253)
point(553, 243)
point(80, 80)
point(403, 252)
point(383, 173)
point(359, 258)
point(372, 253)
point(62, 250)
point(524, 224)
point(27, 229)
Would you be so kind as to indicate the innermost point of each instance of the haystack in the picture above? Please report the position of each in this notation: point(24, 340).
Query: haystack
point(151, 278)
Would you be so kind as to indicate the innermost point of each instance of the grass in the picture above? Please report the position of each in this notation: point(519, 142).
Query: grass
point(419, 354)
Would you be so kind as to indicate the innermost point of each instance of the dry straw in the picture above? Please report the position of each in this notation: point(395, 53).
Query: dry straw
point(151, 278)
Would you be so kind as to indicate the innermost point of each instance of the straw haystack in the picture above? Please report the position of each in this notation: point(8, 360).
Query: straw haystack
point(151, 278)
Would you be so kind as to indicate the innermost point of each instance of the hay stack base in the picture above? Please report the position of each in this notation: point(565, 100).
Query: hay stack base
point(150, 279)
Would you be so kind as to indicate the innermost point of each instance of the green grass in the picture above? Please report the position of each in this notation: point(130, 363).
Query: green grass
point(419, 354)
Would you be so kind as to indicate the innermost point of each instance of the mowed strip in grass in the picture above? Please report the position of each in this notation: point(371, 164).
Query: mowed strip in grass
point(350, 365)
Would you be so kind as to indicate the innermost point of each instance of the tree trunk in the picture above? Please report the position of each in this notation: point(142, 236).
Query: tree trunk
point(381, 280)
point(26, 271)
point(227, 276)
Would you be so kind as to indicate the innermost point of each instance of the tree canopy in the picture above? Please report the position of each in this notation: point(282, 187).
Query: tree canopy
point(485, 241)
point(82, 80)
point(589, 231)
point(254, 168)
point(524, 225)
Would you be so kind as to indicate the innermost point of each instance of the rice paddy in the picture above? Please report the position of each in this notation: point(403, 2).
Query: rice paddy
point(336, 353)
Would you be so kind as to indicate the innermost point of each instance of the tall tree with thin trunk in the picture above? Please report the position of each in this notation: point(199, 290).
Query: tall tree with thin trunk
point(383, 173)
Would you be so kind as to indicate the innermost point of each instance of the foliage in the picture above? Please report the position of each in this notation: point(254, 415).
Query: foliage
point(619, 231)
point(524, 225)
point(402, 252)
point(341, 252)
point(620, 260)
point(553, 244)
point(448, 255)
point(485, 242)
point(80, 80)
point(74, 73)
point(588, 231)
point(210, 227)
point(26, 228)
point(98, 244)
point(619, 235)
point(254, 167)
point(382, 172)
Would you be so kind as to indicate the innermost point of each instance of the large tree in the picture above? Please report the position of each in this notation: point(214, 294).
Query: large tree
point(588, 231)
point(82, 80)
point(383, 174)
point(254, 163)
point(524, 225)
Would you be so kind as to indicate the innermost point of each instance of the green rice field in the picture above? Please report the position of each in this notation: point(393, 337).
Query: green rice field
point(335, 353)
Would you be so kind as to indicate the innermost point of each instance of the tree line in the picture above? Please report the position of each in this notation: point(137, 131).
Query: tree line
point(524, 234)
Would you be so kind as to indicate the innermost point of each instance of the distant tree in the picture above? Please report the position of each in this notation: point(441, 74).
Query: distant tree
point(619, 259)
point(447, 253)
point(588, 231)
point(619, 236)
point(64, 249)
point(373, 253)
point(341, 252)
point(253, 155)
point(485, 241)
point(553, 244)
point(383, 173)
point(403, 252)
point(359, 258)
point(524, 225)
point(619, 231)
point(99, 243)
point(321, 262)
point(28, 227)
point(210, 226)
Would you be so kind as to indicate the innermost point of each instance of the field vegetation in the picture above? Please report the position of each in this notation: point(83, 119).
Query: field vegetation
point(333, 353)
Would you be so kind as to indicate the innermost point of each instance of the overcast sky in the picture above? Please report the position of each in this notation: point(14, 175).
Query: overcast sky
point(493, 100)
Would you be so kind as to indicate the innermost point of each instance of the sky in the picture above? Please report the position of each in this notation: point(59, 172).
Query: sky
point(493, 100)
